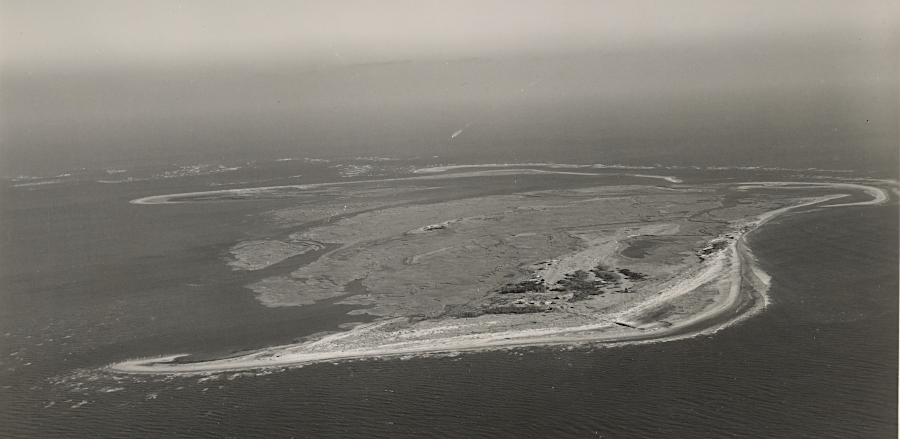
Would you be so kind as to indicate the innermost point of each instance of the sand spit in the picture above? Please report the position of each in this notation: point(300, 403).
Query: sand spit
point(879, 195)
point(663, 177)
point(728, 286)
point(295, 190)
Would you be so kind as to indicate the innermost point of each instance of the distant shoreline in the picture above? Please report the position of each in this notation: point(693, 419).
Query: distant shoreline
point(432, 174)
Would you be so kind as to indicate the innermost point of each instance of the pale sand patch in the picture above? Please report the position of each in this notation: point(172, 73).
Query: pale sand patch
point(261, 253)
point(415, 259)
point(284, 291)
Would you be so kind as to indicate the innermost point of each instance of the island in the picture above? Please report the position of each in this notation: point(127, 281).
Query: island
point(599, 264)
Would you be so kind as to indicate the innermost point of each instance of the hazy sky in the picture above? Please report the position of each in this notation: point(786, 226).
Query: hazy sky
point(736, 82)
point(36, 33)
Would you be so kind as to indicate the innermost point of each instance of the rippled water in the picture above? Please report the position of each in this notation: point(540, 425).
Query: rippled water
point(821, 361)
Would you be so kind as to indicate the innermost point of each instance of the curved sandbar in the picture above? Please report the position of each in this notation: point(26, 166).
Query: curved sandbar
point(878, 195)
point(728, 280)
point(288, 191)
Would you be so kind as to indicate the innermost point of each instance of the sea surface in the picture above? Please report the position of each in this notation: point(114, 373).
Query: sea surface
point(89, 279)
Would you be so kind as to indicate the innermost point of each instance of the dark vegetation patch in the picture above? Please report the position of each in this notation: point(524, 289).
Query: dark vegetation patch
point(528, 286)
point(512, 309)
point(580, 285)
point(632, 275)
point(462, 311)
point(467, 311)
point(608, 276)
point(605, 273)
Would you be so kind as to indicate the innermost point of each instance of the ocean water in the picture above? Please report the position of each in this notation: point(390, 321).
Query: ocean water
point(89, 279)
